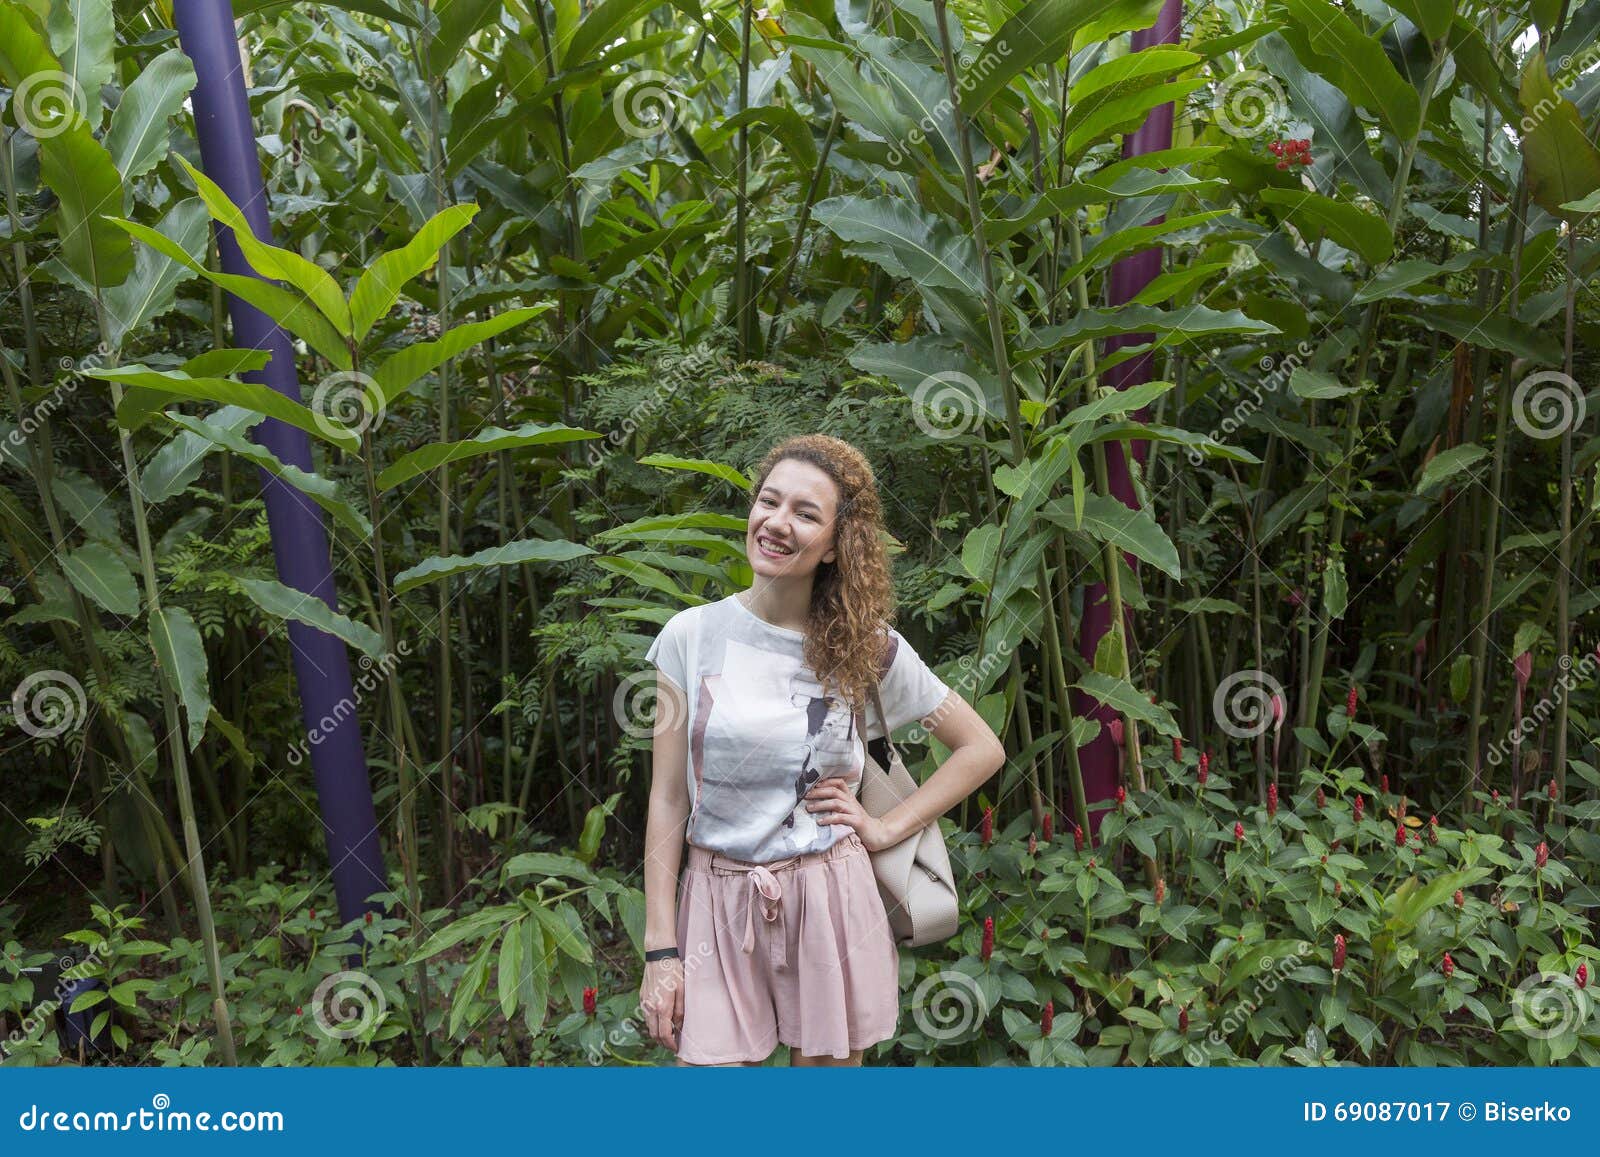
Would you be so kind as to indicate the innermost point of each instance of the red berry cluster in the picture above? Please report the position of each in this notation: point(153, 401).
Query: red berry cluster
point(1295, 151)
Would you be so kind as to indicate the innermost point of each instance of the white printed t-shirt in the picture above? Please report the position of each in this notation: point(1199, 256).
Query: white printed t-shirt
point(761, 734)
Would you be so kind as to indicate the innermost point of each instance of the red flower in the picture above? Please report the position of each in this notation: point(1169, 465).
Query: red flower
point(1400, 836)
point(1205, 766)
point(1337, 887)
point(369, 917)
point(986, 831)
point(1447, 964)
point(1177, 748)
point(1433, 835)
point(313, 913)
point(1183, 1019)
point(1122, 797)
point(988, 938)
point(1077, 838)
point(1541, 854)
point(1552, 791)
point(1049, 825)
point(1494, 794)
point(1048, 1020)
point(1272, 799)
point(1383, 783)
point(1033, 844)
point(1161, 888)
point(1433, 821)
point(588, 1001)
point(1461, 899)
point(1322, 799)
point(1238, 831)
point(1115, 727)
point(1350, 702)
point(1091, 861)
point(1581, 977)
point(1338, 953)
point(1361, 804)
point(299, 1010)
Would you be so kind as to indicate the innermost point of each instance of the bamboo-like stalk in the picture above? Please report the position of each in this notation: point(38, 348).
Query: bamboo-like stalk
point(1369, 333)
point(195, 858)
point(787, 283)
point(741, 220)
point(1564, 570)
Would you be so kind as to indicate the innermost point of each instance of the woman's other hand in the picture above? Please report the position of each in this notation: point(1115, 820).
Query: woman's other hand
point(661, 998)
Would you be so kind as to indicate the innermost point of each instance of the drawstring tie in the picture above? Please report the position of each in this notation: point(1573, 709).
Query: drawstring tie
point(768, 894)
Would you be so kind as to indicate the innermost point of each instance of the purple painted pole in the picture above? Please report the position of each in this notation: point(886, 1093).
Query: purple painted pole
point(299, 536)
point(1100, 759)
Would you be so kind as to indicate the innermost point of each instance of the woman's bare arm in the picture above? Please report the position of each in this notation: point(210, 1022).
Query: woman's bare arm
point(668, 814)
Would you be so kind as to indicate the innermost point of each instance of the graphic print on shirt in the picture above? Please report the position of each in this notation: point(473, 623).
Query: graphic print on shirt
point(830, 750)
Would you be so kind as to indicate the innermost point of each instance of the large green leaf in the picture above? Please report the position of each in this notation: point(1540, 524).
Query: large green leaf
point(287, 603)
point(323, 491)
point(524, 550)
point(83, 34)
point(935, 373)
point(152, 289)
point(1563, 164)
point(904, 240)
point(250, 395)
point(1432, 16)
point(1403, 275)
point(489, 441)
point(729, 474)
point(137, 139)
point(313, 282)
point(1038, 32)
point(100, 574)
point(1122, 697)
point(181, 658)
point(179, 462)
point(1106, 519)
point(1352, 227)
point(1446, 464)
point(290, 310)
point(601, 24)
point(402, 369)
point(1114, 401)
point(88, 185)
point(380, 286)
point(1178, 324)
point(1329, 42)
point(457, 22)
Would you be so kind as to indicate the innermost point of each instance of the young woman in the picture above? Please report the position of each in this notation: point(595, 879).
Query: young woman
point(778, 934)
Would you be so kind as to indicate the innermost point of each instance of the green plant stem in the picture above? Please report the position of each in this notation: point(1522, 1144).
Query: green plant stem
point(1564, 570)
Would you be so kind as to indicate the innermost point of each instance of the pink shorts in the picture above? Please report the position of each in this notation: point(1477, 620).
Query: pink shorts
point(797, 951)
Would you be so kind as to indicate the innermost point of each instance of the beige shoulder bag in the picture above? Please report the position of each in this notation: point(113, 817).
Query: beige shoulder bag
point(914, 877)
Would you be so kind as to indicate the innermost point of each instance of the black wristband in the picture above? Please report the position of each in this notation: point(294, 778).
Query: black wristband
point(661, 953)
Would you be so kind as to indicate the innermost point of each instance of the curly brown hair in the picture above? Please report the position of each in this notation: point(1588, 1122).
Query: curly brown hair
point(852, 598)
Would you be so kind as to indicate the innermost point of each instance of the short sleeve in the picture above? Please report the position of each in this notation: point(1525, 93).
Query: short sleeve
point(670, 653)
point(909, 688)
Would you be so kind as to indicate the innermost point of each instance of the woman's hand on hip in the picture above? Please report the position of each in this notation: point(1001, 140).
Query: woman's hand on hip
point(831, 802)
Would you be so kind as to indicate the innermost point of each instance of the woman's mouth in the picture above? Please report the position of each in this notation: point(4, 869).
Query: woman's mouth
point(772, 549)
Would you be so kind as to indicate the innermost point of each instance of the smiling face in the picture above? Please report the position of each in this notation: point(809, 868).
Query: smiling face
point(794, 512)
